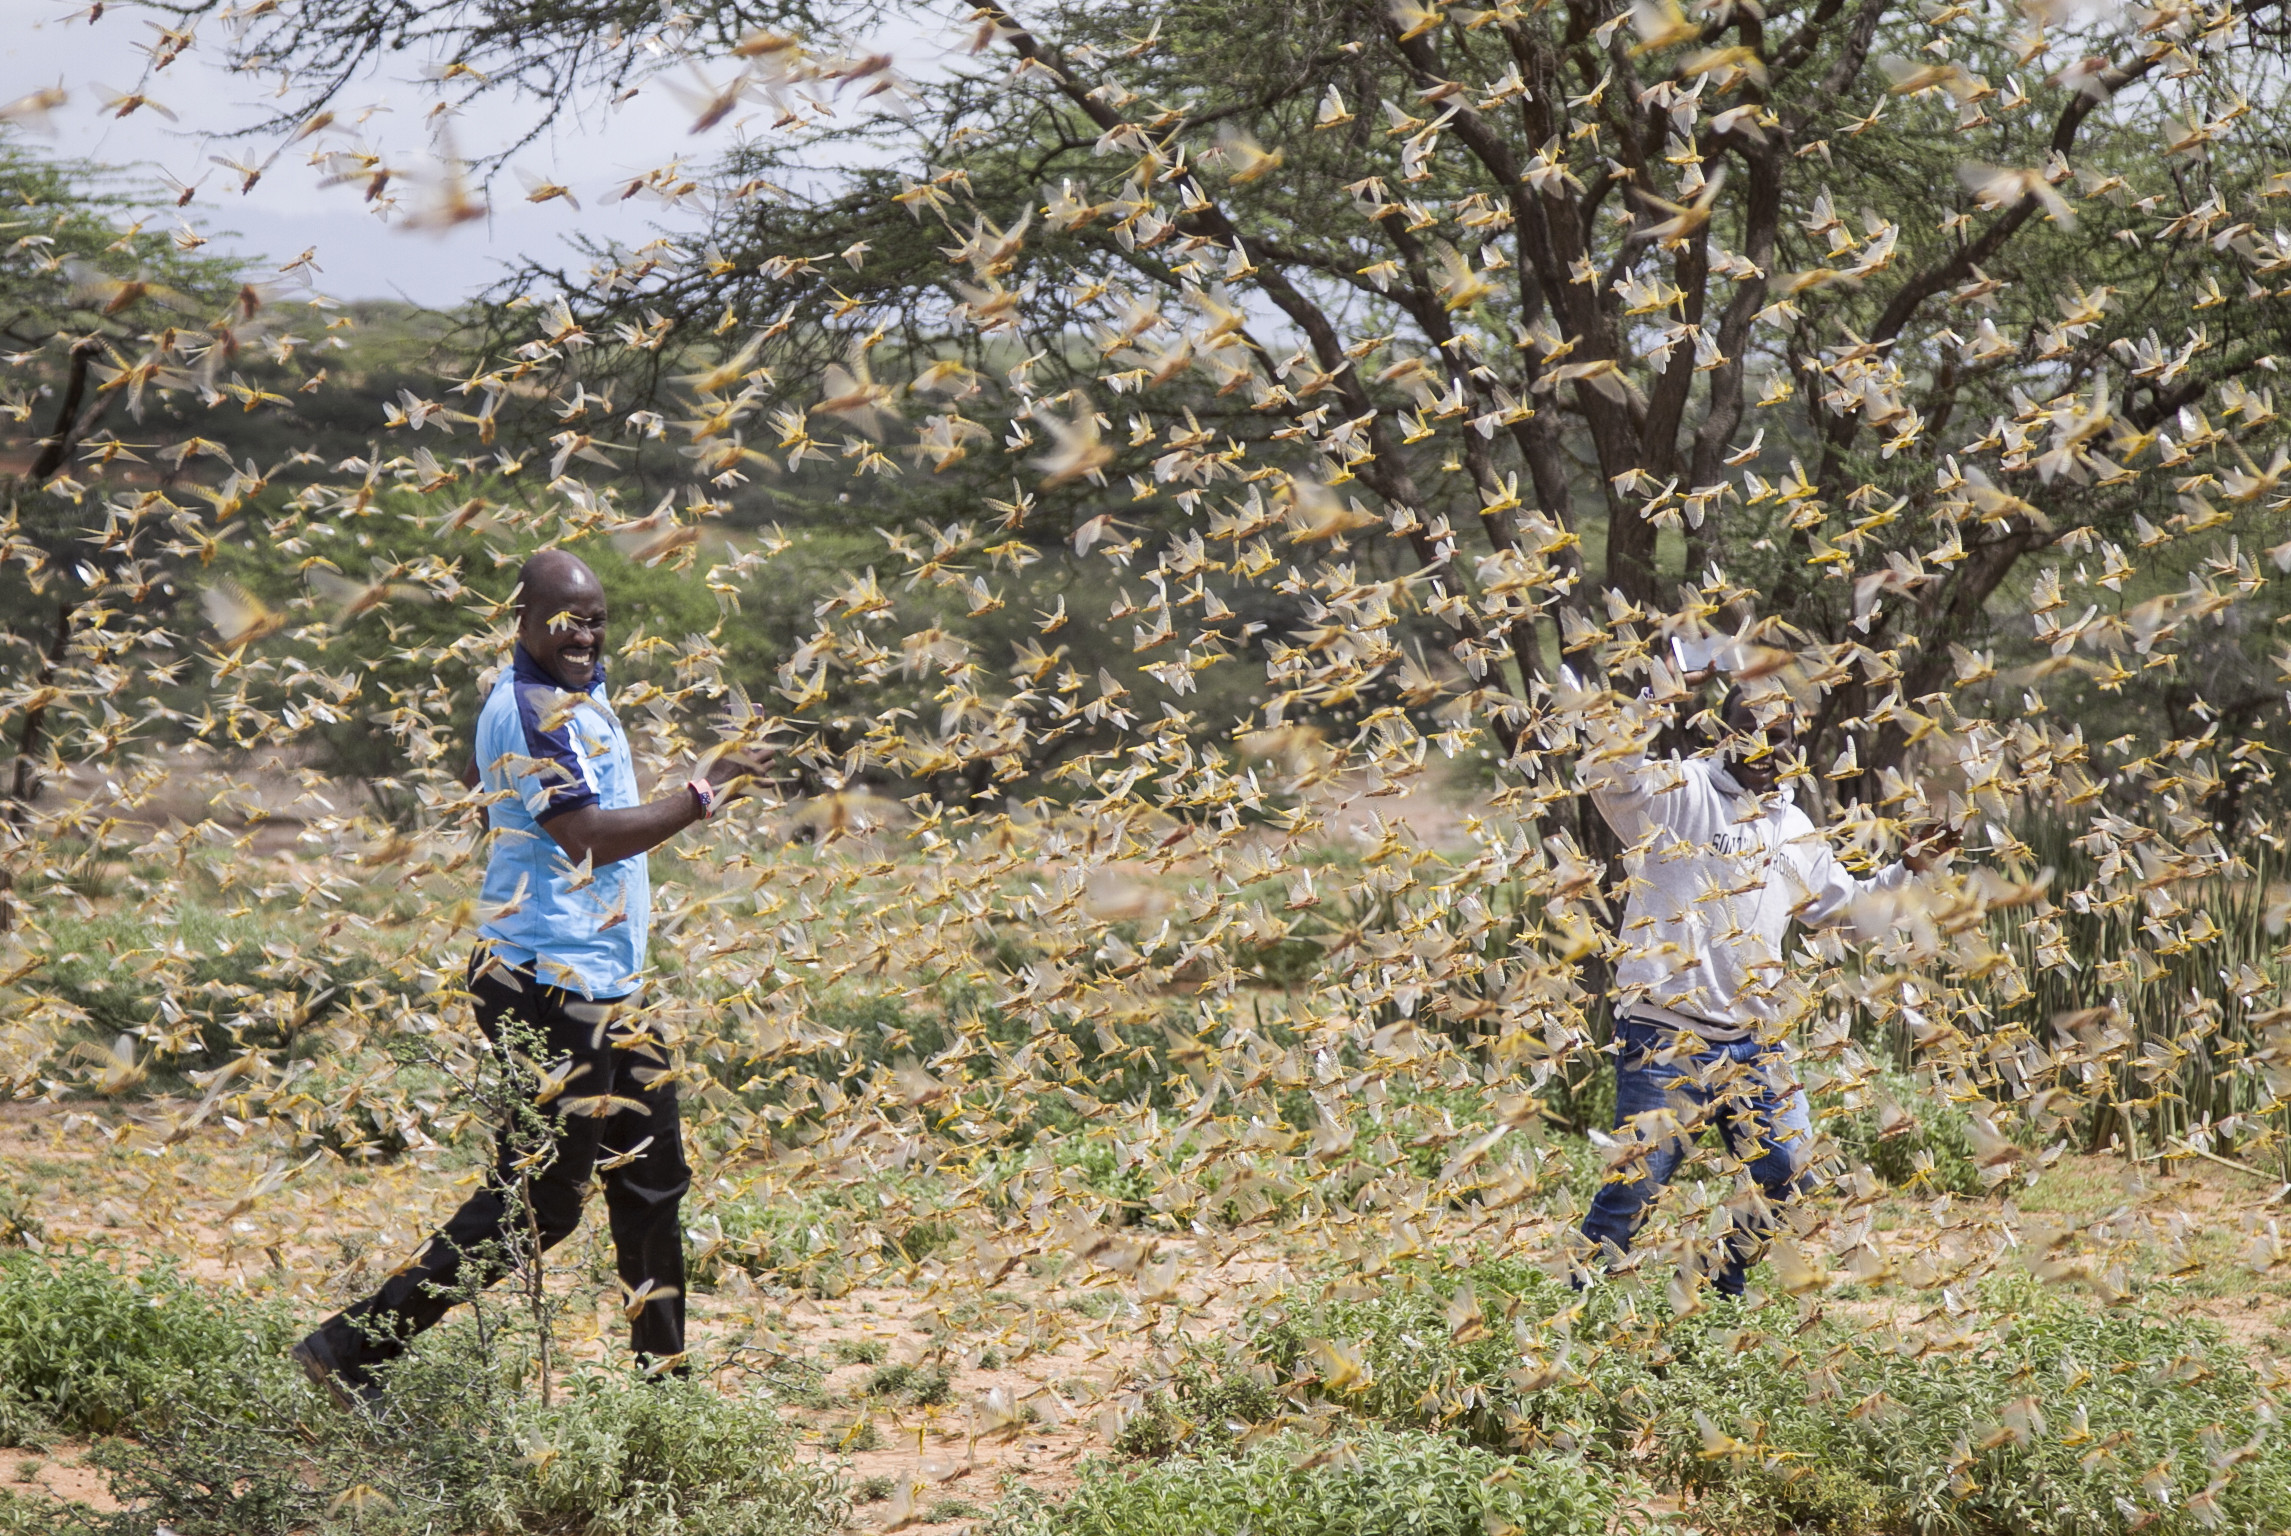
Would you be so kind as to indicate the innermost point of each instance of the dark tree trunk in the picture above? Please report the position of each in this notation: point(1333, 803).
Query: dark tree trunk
point(56, 448)
point(25, 782)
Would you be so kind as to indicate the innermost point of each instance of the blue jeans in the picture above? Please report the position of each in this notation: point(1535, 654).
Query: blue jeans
point(1759, 1109)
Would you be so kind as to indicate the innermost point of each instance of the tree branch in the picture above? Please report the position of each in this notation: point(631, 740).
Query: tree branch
point(56, 448)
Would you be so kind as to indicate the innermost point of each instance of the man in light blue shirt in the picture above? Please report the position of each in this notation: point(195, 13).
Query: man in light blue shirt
point(554, 978)
point(556, 753)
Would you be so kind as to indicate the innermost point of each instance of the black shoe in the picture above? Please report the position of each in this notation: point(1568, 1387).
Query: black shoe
point(350, 1384)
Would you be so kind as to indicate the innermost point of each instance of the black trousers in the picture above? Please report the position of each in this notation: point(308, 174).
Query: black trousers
point(547, 1163)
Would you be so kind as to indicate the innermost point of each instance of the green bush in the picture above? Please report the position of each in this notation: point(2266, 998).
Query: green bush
point(94, 1352)
point(222, 1436)
point(1362, 1482)
point(1204, 1412)
point(463, 1443)
point(31, 1514)
point(924, 1386)
point(2042, 1416)
point(623, 1457)
point(1940, 1135)
point(826, 1238)
point(1289, 963)
point(227, 965)
point(1125, 1188)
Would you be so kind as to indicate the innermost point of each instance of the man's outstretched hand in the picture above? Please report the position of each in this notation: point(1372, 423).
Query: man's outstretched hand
point(1933, 849)
point(739, 771)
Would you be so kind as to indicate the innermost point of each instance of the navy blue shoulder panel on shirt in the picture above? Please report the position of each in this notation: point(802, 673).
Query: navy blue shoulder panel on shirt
point(564, 778)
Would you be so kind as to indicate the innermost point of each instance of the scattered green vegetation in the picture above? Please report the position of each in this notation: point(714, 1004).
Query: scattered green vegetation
point(950, 1509)
point(87, 1351)
point(1364, 1481)
point(215, 1433)
point(1206, 1410)
point(1933, 1429)
point(1930, 1148)
point(924, 1386)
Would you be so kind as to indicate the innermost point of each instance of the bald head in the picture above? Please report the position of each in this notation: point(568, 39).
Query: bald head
point(561, 616)
point(555, 576)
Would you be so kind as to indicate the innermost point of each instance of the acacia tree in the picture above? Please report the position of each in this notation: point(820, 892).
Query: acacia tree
point(80, 280)
point(1841, 311)
point(1480, 325)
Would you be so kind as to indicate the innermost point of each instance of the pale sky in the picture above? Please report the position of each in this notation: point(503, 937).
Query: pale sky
point(358, 255)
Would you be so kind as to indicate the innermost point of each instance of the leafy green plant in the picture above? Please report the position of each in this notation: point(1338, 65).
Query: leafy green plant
point(221, 1436)
point(2026, 1413)
point(24, 1514)
point(1124, 1185)
point(1359, 1482)
point(1208, 1405)
point(644, 1459)
point(1933, 1151)
point(460, 1443)
point(862, 1434)
point(950, 1509)
point(95, 1352)
point(924, 1386)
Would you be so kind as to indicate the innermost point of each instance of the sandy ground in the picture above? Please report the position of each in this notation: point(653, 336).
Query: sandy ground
point(1037, 1368)
point(332, 1231)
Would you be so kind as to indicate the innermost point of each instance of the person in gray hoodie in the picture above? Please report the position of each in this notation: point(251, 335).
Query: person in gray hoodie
point(1719, 861)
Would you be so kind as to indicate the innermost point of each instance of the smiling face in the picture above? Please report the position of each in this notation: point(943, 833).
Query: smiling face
point(561, 618)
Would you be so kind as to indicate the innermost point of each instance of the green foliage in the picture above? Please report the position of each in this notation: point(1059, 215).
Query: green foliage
point(228, 1439)
point(1286, 963)
point(374, 649)
point(819, 1236)
point(950, 1509)
point(1359, 1482)
point(1123, 1181)
point(923, 1386)
point(1205, 1412)
point(95, 1352)
point(630, 1458)
point(1934, 1152)
point(23, 1514)
point(233, 967)
point(65, 224)
point(71, 235)
point(860, 1351)
point(1838, 1428)
point(2130, 986)
point(464, 1443)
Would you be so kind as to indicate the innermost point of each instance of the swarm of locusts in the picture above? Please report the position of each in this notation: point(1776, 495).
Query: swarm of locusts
point(1464, 405)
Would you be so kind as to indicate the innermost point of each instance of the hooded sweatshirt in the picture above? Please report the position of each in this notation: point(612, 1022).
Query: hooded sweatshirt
point(1715, 874)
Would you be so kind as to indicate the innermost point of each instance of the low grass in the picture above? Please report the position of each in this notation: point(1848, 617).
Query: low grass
point(214, 1433)
point(2025, 1412)
point(1934, 1152)
point(1359, 1481)
point(85, 1351)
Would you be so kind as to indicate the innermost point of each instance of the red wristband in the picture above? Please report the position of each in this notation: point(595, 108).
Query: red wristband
point(705, 793)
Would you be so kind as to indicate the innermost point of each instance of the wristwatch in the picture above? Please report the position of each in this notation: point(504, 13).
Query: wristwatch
point(705, 793)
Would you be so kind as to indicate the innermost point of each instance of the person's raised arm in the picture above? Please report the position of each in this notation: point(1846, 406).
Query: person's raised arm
point(1831, 887)
point(603, 836)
